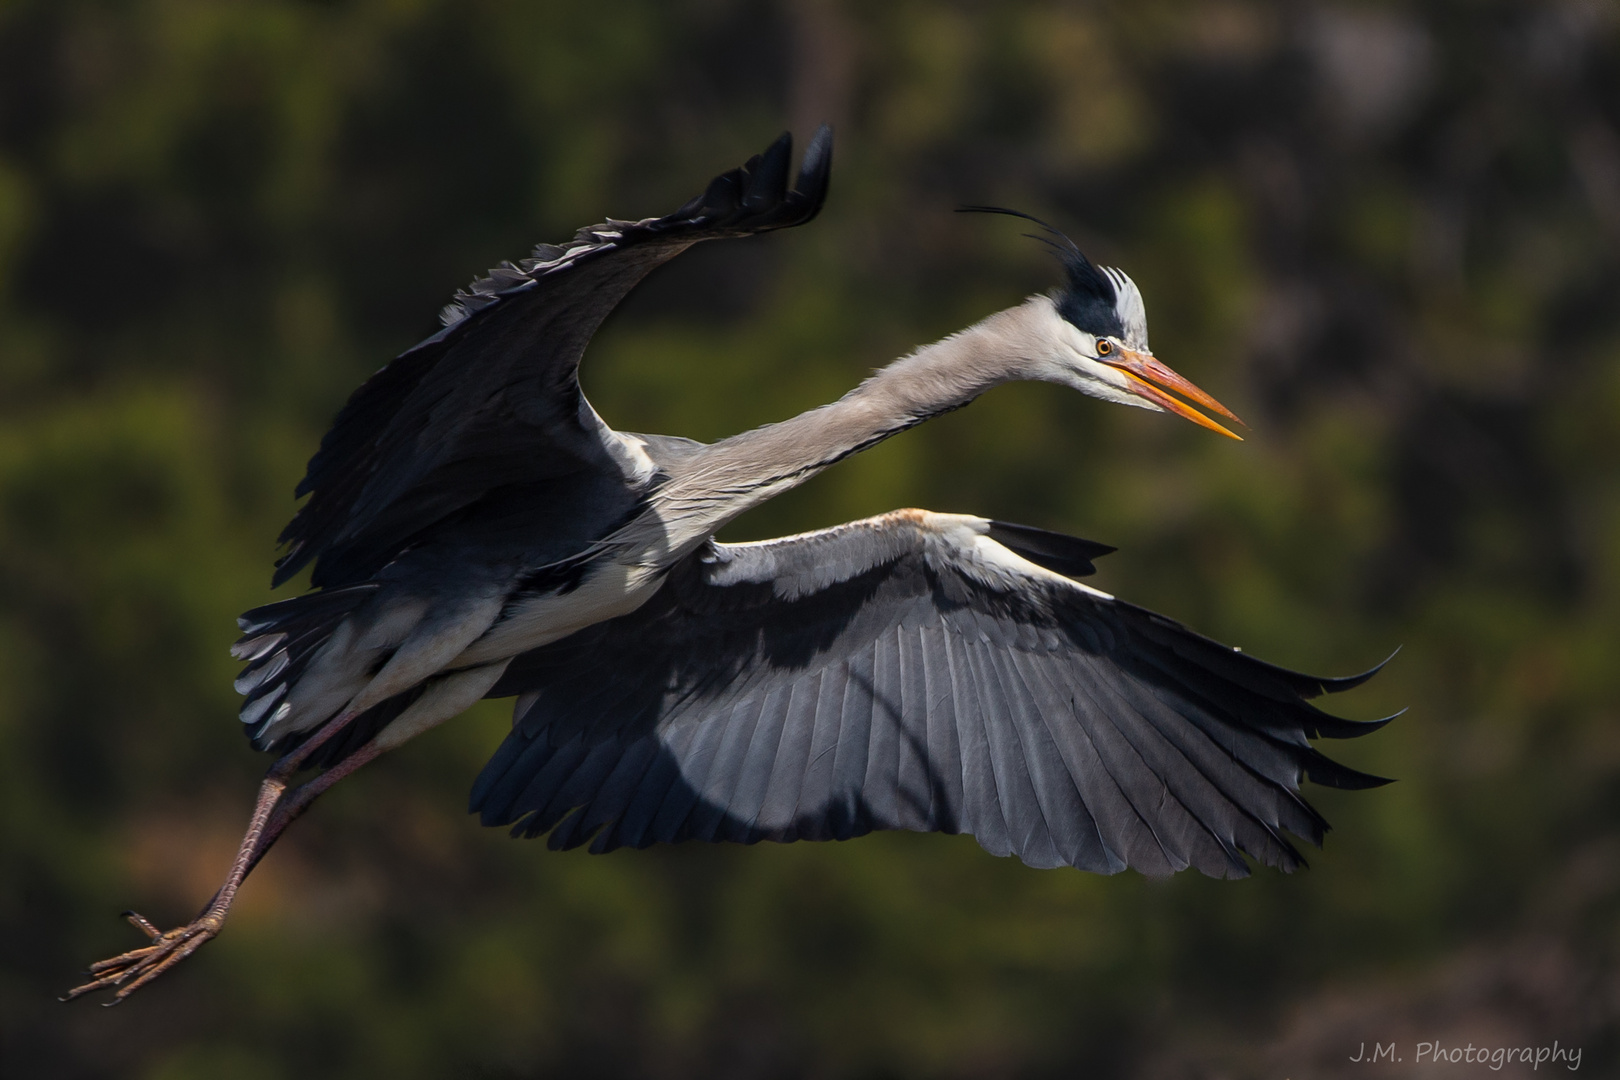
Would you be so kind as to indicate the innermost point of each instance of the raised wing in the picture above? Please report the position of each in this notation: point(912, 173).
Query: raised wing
point(492, 402)
point(914, 671)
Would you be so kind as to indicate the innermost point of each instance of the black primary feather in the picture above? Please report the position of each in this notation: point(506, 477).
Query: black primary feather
point(1067, 555)
point(492, 401)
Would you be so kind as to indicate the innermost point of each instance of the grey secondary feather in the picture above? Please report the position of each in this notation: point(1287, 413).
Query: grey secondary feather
point(949, 685)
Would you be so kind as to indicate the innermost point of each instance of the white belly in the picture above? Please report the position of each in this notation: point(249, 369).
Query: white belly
point(609, 590)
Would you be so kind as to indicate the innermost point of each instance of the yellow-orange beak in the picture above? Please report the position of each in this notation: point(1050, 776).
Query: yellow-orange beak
point(1146, 375)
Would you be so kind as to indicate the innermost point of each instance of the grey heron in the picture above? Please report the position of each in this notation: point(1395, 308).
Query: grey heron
point(474, 529)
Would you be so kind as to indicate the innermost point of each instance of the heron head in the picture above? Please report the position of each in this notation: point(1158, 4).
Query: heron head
point(1106, 336)
point(1105, 324)
point(1103, 340)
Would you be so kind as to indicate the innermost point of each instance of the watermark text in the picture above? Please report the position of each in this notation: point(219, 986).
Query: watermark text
point(1492, 1057)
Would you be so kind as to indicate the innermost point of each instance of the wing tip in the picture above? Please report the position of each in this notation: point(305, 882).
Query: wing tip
point(1350, 682)
point(815, 170)
point(1070, 556)
point(1323, 770)
point(755, 198)
point(1327, 726)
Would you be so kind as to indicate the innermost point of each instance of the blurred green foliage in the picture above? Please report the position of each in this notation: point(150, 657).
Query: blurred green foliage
point(1386, 233)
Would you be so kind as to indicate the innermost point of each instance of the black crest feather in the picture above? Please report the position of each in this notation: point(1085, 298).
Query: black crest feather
point(1089, 299)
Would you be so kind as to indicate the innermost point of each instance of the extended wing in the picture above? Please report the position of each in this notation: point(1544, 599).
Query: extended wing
point(491, 405)
point(913, 671)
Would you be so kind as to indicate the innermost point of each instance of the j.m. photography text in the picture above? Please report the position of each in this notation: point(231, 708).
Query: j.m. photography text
point(1492, 1057)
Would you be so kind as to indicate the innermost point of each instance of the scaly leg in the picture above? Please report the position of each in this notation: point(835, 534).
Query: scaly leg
point(276, 809)
point(134, 969)
point(445, 697)
point(298, 799)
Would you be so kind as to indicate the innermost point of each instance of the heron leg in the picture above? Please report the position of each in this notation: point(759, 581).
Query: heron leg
point(274, 810)
point(277, 808)
point(445, 697)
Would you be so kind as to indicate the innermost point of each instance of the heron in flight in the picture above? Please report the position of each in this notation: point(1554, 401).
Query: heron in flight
point(476, 530)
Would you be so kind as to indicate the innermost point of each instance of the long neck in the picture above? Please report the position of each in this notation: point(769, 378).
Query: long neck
point(729, 477)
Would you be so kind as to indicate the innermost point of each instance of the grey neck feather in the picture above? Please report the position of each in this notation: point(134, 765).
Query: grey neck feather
point(723, 480)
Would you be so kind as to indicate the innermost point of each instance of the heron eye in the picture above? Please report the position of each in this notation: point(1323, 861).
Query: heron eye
point(1104, 347)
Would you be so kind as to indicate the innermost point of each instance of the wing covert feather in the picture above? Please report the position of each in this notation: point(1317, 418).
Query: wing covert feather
point(933, 691)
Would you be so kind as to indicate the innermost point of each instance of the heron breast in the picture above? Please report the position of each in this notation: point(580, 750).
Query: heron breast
point(609, 589)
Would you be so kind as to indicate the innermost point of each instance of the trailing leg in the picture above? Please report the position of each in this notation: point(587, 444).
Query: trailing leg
point(134, 969)
point(277, 807)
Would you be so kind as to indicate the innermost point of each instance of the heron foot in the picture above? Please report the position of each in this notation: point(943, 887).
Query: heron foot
point(134, 969)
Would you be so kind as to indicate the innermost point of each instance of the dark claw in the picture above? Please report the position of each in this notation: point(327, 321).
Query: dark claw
point(140, 966)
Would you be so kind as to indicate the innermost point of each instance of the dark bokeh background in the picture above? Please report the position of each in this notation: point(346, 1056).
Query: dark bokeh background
point(1388, 234)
